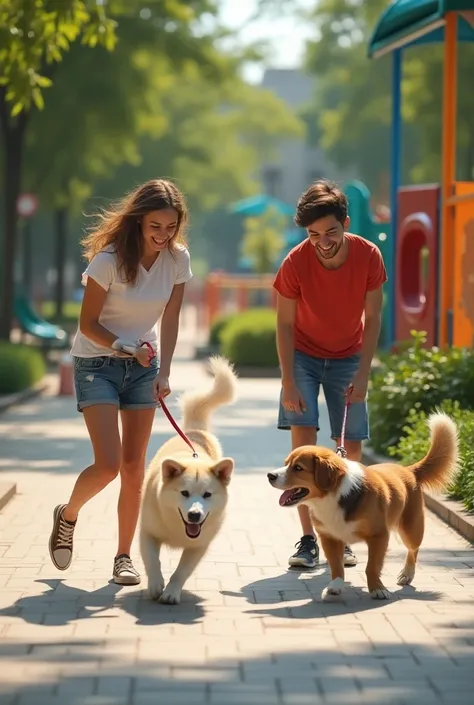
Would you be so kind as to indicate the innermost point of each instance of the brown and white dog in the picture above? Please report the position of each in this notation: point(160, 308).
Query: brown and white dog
point(350, 503)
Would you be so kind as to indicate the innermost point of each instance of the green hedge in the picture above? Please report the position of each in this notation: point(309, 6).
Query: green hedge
point(416, 378)
point(218, 326)
point(410, 384)
point(249, 338)
point(415, 442)
point(21, 367)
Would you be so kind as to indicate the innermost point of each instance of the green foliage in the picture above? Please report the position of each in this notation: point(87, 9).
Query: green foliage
point(71, 312)
point(352, 105)
point(36, 34)
point(417, 378)
point(263, 240)
point(414, 444)
point(250, 339)
point(218, 326)
point(21, 366)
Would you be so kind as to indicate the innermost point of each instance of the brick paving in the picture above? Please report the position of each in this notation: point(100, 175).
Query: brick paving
point(248, 630)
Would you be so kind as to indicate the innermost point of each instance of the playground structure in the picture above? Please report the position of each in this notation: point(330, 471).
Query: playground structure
point(431, 225)
point(219, 285)
point(48, 334)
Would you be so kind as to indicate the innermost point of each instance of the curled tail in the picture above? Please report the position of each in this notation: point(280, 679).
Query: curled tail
point(440, 463)
point(197, 407)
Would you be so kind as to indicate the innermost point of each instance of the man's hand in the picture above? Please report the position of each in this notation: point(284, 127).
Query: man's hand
point(161, 386)
point(357, 390)
point(292, 399)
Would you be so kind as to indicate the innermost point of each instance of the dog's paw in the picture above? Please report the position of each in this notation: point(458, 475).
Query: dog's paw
point(335, 588)
point(405, 577)
point(171, 595)
point(156, 585)
point(380, 594)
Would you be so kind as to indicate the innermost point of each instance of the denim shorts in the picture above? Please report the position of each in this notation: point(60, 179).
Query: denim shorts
point(334, 375)
point(122, 382)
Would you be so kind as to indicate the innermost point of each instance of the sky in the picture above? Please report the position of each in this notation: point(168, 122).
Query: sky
point(287, 35)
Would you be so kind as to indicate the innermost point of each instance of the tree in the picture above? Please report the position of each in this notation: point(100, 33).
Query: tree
point(34, 37)
point(352, 105)
point(264, 239)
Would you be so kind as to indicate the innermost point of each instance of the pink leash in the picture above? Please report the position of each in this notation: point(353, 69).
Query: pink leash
point(340, 450)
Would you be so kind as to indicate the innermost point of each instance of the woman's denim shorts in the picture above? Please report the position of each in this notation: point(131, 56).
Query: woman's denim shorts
point(122, 382)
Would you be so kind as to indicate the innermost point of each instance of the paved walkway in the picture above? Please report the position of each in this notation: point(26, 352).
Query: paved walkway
point(248, 630)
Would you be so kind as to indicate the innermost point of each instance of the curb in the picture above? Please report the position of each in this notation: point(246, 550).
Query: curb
point(7, 492)
point(9, 400)
point(450, 511)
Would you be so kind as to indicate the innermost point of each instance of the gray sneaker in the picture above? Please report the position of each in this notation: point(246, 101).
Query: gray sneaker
point(124, 572)
point(307, 554)
point(61, 539)
point(350, 559)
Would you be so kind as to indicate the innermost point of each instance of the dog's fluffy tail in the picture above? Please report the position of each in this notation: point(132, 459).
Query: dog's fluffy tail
point(197, 407)
point(440, 463)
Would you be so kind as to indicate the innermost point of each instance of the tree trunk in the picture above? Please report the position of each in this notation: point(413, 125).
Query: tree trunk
point(60, 258)
point(13, 133)
point(27, 259)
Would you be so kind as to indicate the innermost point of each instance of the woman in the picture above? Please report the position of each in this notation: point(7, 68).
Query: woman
point(138, 267)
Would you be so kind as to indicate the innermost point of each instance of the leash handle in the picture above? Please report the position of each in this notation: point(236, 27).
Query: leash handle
point(151, 352)
point(175, 425)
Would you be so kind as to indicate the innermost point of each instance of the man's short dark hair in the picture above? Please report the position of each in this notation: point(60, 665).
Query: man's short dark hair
point(323, 198)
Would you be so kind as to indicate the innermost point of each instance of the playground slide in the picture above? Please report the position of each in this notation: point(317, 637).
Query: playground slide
point(31, 323)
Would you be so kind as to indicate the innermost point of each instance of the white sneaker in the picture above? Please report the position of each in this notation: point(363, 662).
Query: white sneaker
point(350, 559)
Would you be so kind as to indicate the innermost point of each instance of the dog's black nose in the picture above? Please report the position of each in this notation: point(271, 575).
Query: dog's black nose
point(272, 476)
point(194, 517)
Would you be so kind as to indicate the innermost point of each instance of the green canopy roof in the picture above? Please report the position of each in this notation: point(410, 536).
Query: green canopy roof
point(408, 22)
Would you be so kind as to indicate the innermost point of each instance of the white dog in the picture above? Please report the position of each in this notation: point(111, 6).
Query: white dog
point(184, 497)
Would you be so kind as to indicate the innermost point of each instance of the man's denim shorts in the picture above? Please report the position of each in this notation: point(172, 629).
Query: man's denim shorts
point(334, 375)
point(122, 382)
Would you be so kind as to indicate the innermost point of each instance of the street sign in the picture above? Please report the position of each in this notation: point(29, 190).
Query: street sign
point(26, 205)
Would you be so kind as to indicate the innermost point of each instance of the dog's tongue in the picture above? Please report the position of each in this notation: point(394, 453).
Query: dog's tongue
point(193, 529)
point(286, 494)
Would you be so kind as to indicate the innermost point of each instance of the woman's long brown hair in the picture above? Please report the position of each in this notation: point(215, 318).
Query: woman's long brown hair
point(119, 225)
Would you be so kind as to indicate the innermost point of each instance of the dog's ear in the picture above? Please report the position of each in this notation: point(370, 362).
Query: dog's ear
point(327, 473)
point(171, 468)
point(223, 470)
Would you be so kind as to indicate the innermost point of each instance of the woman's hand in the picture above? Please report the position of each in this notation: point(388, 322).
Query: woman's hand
point(161, 386)
point(143, 357)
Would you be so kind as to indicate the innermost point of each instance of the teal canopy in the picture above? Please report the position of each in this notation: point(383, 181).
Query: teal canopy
point(410, 22)
point(257, 205)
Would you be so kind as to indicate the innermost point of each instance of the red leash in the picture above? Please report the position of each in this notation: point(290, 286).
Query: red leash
point(340, 450)
point(175, 425)
point(151, 355)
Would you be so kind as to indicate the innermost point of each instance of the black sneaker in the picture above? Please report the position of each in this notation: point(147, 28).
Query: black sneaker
point(60, 541)
point(350, 558)
point(124, 572)
point(307, 554)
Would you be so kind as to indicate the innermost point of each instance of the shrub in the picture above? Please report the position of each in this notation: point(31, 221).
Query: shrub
point(217, 327)
point(250, 338)
point(21, 367)
point(415, 442)
point(416, 378)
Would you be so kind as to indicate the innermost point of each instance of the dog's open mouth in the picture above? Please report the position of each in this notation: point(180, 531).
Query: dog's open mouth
point(291, 497)
point(193, 529)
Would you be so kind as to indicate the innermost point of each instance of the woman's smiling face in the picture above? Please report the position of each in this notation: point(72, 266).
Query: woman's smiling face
point(158, 227)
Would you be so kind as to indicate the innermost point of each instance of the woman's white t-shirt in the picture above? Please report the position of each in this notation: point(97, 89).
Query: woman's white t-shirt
point(132, 312)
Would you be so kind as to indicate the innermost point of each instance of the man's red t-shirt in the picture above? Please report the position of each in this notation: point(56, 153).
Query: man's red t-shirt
point(330, 302)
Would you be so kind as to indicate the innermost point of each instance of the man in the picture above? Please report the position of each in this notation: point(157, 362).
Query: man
point(328, 322)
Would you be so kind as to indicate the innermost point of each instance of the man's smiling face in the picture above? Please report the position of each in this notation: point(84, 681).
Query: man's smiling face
point(327, 236)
